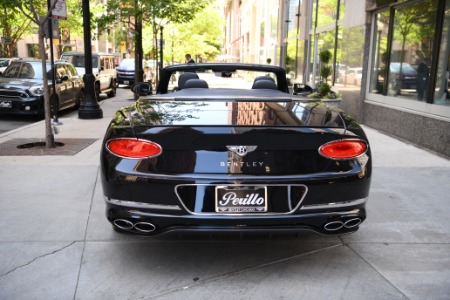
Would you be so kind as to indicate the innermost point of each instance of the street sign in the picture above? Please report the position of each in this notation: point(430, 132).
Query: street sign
point(55, 29)
point(6, 40)
point(60, 10)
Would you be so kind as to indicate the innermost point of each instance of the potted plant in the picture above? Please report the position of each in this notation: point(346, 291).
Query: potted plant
point(324, 90)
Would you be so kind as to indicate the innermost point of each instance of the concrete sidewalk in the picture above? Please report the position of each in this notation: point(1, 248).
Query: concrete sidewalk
point(55, 242)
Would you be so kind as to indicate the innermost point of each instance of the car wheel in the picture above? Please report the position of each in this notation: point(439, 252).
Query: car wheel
point(113, 91)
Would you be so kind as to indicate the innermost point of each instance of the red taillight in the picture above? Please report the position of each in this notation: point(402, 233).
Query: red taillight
point(343, 149)
point(133, 148)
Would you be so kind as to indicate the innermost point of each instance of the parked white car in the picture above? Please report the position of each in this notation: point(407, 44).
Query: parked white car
point(4, 63)
point(351, 77)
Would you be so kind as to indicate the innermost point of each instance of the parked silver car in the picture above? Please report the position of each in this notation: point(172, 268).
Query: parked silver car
point(5, 62)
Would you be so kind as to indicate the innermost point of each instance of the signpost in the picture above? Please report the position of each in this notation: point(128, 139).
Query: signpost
point(60, 10)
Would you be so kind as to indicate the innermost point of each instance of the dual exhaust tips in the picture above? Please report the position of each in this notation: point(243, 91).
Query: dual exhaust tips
point(125, 224)
point(336, 225)
point(147, 227)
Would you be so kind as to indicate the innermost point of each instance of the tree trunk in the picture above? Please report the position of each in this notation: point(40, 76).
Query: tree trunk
point(49, 137)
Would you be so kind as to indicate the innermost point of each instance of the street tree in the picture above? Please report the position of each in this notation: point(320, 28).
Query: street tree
point(13, 26)
point(39, 13)
point(172, 11)
point(136, 13)
point(202, 37)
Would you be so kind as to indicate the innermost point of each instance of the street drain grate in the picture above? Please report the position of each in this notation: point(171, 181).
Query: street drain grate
point(32, 147)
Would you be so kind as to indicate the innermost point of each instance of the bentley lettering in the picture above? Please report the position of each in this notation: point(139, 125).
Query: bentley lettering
point(248, 164)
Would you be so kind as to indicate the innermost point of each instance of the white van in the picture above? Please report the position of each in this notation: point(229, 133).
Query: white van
point(103, 68)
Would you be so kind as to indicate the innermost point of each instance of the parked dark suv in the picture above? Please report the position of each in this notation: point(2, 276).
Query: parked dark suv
point(22, 87)
point(126, 71)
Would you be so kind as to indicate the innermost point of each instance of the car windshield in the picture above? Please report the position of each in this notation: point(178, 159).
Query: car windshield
point(406, 68)
point(127, 63)
point(240, 79)
point(78, 60)
point(26, 70)
point(4, 62)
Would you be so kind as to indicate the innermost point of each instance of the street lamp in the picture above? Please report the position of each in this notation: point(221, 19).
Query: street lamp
point(89, 109)
point(161, 50)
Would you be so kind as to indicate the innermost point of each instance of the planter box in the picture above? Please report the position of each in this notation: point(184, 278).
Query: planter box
point(332, 102)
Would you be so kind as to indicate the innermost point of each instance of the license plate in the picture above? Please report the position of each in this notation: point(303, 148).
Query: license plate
point(126, 82)
point(241, 199)
point(5, 104)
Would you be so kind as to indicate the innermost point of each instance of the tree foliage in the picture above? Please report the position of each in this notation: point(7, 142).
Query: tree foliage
point(202, 37)
point(13, 25)
point(155, 14)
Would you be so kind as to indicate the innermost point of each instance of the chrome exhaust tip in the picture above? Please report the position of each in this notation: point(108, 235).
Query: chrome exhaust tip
point(352, 222)
point(123, 224)
point(144, 227)
point(333, 226)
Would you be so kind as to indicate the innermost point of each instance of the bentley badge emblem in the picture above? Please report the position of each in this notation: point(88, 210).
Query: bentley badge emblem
point(242, 150)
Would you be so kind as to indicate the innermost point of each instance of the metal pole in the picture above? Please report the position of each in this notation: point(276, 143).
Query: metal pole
point(53, 95)
point(161, 51)
point(90, 108)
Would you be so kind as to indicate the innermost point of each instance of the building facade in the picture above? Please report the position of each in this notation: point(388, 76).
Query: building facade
point(391, 59)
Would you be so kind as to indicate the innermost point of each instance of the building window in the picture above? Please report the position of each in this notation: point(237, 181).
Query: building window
point(328, 12)
point(349, 57)
point(402, 50)
point(412, 50)
point(377, 77)
point(442, 93)
point(33, 50)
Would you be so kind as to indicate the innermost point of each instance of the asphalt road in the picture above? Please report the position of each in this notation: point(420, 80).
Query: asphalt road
point(8, 123)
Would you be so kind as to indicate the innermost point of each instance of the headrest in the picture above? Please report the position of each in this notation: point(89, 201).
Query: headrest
point(264, 84)
point(264, 78)
point(185, 77)
point(195, 83)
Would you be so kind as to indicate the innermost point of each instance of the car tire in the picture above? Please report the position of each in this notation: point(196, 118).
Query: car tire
point(113, 91)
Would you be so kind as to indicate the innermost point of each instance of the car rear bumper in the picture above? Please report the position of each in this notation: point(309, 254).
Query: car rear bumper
point(127, 219)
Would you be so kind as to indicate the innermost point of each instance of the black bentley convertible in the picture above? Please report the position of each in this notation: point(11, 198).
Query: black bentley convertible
point(226, 147)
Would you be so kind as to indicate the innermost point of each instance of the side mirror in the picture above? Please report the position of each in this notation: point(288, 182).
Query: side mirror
point(295, 89)
point(142, 88)
point(64, 78)
point(302, 89)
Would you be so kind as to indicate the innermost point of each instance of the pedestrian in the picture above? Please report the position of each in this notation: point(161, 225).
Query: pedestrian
point(189, 59)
